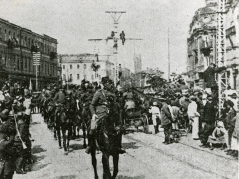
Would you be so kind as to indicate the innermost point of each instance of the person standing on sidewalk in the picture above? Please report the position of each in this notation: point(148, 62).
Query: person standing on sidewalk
point(229, 123)
point(166, 122)
point(209, 113)
point(194, 117)
point(155, 114)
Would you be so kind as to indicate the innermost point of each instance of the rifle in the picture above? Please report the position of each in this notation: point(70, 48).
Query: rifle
point(18, 133)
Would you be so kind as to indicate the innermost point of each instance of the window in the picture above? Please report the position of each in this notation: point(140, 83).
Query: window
point(26, 63)
point(9, 37)
point(25, 43)
point(70, 77)
point(64, 77)
point(85, 77)
point(5, 35)
point(70, 66)
point(78, 66)
point(29, 65)
point(84, 66)
point(92, 77)
point(78, 76)
point(63, 66)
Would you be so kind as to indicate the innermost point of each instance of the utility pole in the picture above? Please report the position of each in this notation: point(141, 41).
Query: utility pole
point(168, 56)
point(221, 51)
point(36, 63)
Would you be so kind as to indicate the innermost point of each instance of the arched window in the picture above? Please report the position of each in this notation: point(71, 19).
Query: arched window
point(84, 66)
point(9, 37)
point(78, 66)
point(70, 66)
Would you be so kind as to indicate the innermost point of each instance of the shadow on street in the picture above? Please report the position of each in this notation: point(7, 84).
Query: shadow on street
point(125, 177)
point(131, 145)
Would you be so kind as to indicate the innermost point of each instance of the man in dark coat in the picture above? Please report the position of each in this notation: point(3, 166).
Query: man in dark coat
point(209, 112)
point(209, 75)
point(166, 121)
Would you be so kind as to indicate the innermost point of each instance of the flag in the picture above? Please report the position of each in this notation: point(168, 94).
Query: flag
point(30, 85)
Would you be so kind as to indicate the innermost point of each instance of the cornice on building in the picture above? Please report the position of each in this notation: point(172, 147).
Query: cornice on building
point(43, 37)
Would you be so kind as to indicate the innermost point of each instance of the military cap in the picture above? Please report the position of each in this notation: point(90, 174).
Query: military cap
point(105, 80)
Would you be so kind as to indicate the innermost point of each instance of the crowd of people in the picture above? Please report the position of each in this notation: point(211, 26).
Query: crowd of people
point(174, 107)
point(179, 109)
point(15, 137)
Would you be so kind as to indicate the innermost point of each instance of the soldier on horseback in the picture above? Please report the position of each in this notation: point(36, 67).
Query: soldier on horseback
point(60, 100)
point(99, 108)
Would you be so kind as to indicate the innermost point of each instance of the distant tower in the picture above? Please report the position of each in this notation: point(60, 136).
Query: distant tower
point(137, 63)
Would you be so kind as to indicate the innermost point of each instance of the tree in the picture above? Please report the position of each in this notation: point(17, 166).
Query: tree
point(156, 81)
point(153, 77)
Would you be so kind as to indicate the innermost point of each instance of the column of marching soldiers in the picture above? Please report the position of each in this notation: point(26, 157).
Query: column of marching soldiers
point(18, 103)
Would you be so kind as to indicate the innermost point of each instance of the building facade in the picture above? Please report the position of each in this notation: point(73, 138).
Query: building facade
point(17, 45)
point(202, 49)
point(75, 68)
point(202, 43)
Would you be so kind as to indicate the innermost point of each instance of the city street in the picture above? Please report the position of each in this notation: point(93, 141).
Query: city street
point(146, 158)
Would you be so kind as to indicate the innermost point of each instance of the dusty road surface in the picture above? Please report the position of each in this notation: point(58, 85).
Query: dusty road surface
point(146, 158)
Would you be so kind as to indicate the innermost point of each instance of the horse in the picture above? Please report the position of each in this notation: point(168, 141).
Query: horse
point(49, 108)
point(84, 122)
point(108, 140)
point(63, 124)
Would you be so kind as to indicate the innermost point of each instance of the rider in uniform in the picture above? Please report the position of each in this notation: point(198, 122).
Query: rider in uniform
point(60, 100)
point(99, 109)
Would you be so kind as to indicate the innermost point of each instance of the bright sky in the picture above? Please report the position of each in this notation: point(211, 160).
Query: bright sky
point(73, 22)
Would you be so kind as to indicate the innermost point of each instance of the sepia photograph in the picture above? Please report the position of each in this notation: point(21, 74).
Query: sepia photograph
point(119, 89)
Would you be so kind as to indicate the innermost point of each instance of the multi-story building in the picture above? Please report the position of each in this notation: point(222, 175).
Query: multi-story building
point(202, 42)
point(202, 49)
point(75, 68)
point(16, 47)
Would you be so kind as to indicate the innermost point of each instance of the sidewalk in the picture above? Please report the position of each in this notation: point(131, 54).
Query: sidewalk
point(188, 141)
point(187, 151)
